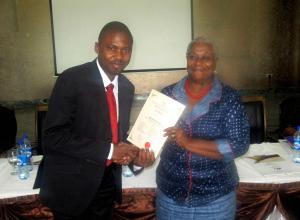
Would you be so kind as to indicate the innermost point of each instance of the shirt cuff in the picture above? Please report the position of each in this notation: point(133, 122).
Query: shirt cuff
point(225, 149)
point(111, 151)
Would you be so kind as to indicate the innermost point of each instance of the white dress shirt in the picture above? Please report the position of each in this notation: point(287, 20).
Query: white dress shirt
point(106, 82)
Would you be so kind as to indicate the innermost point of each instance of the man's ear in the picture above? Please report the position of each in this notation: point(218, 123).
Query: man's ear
point(96, 47)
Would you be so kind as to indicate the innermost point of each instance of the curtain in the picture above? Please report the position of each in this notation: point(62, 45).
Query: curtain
point(254, 201)
point(257, 200)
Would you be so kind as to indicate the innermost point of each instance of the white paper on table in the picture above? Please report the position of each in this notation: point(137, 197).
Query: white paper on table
point(272, 166)
point(158, 113)
point(275, 168)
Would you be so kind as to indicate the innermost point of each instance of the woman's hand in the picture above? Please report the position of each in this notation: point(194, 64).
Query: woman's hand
point(178, 135)
point(206, 148)
point(145, 158)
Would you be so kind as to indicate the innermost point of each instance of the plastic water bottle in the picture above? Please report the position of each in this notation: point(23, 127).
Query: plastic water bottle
point(23, 171)
point(296, 146)
point(28, 148)
point(25, 153)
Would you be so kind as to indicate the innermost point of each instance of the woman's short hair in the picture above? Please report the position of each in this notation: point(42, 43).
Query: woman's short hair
point(200, 40)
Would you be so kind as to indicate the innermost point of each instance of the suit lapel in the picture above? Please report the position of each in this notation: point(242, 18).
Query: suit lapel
point(103, 106)
point(123, 106)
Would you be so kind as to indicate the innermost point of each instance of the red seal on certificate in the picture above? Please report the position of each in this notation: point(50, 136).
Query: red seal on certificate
point(147, 145)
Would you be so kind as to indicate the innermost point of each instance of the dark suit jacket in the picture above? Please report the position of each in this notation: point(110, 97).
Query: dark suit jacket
point(77, 138)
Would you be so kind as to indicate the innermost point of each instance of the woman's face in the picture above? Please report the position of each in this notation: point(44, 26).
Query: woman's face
point(201, 63)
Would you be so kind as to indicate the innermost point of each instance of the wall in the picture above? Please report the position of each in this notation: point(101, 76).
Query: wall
point(26, 61)
point(26, 55)
point(255, 38)
point(296, 52)
point(245, 32)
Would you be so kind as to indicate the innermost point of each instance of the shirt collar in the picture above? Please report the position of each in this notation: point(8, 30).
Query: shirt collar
point(105, 79)
point(201, 107)
point(214, 94)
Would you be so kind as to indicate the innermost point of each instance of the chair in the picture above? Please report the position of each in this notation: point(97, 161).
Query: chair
point(289, 114)
point(41, 111)
point(255, 109)
point(8, 129)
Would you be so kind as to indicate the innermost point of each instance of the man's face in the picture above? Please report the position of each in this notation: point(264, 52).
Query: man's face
point(114, 52)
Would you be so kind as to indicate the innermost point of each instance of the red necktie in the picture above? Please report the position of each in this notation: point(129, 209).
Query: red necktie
point(110, 97)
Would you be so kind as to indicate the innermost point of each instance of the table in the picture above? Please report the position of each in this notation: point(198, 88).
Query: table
point(17, 198)
point(258, 194)
point(273, 195)
point(279, 188)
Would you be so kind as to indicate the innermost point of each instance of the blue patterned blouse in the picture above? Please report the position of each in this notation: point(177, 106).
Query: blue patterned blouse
point(193, 180)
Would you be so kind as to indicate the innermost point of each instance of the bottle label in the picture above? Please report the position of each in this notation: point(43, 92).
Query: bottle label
point(297, 142)
point(23, 160)
point(297, 145)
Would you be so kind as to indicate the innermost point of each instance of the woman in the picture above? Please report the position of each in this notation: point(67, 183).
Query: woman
point(197, 176)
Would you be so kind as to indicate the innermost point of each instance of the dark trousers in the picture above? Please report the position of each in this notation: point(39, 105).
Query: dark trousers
point(101, 207)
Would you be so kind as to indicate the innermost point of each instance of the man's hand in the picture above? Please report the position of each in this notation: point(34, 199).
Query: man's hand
point(144, 158)
point(124, 153)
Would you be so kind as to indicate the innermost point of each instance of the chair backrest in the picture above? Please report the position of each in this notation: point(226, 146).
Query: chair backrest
point(8, 129)
point(289, 113)
point(255, 109)
point(41, 111)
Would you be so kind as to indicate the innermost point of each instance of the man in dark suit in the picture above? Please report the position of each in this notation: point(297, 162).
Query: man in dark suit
point(75, 180)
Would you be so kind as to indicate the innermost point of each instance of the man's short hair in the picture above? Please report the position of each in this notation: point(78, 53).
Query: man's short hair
point(114, 26)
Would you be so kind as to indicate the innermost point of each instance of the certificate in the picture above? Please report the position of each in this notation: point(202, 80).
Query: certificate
point(158, 113)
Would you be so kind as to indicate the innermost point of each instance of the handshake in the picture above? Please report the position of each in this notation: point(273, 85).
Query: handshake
point(125, 153)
